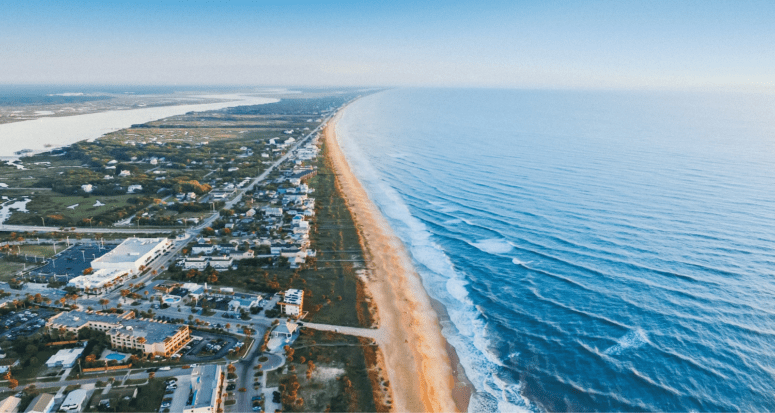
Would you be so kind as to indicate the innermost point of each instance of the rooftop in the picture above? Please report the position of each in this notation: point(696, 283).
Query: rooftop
point(204, 380)
point(130, 250)
point(152, 331)
point(75, 319)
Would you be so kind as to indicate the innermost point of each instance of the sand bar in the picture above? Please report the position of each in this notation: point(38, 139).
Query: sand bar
point(409, 335)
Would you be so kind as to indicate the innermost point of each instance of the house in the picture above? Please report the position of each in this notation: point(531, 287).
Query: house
point(87, 188)
point(273, 212)
point(41, 404)
point(124, 173)
point(285, 330)
point(251, 212)
point(7, 364)
point(154, 161)
point(221, 263)
point(10, 405)
point(65, 358)
point(202, 249)
point(245, 303)
point(134, 188)
point(232, 169)
point(74, 401)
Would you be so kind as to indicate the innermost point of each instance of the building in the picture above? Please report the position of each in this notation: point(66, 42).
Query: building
point(74, 321)
point(127, 258)
point(10, 405)
point(41, 404)
point(285, 330)
point(150, 337)
point(132, 254)
point(74, 401)
point(134, 188)
point(200, 263)
point(124, 172)
point(65, 358)
point(202, 249)
point(293, 302)
point(206, 386)
point(244, 303)
point(87, 188)
point(8, 364)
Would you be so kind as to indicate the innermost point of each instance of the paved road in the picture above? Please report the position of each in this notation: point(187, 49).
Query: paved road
point(38, 228)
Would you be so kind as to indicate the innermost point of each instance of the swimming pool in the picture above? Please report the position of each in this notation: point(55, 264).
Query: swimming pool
point(171, 299)
point(116, 356)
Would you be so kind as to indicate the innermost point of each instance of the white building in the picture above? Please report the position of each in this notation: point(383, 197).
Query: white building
point(87, 188)
point(124, 172)
point(205, 389)
point(293, 302)
point(65, 358)
point(74, 401)
point(10, 404)
point(132, 254)
point(125, 259)
point(134, 188)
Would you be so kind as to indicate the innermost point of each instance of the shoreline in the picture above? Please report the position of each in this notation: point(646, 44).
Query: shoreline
point(424, 370)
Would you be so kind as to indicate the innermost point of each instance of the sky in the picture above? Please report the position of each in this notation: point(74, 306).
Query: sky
point(617, 44)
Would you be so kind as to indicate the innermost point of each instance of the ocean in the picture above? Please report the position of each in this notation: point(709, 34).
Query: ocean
point(596, 251)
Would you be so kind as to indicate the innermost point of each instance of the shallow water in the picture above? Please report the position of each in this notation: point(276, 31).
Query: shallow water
point(596, 251)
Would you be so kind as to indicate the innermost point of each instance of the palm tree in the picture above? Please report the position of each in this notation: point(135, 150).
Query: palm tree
point(104, 302)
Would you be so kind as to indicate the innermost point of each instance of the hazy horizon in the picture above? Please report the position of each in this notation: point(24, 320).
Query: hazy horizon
point(597, 45)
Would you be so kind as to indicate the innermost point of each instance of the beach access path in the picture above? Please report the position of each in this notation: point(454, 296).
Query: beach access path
point(416, 359)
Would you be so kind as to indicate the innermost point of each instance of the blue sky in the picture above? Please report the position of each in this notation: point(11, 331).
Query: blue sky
point(578, 44)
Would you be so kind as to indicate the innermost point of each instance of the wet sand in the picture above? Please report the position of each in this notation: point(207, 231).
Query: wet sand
point(417, 356)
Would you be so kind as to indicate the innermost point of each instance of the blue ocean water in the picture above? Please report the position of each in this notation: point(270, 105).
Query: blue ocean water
point(597, 251)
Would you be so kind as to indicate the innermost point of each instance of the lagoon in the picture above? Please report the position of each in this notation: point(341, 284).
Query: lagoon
point(46, 133)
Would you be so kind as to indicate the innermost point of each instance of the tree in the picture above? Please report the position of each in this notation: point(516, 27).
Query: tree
point(12, 382)
point(104, 302)
point(231, 368)
point(151, 375)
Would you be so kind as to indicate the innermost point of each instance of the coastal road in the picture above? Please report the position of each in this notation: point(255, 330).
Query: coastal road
point(38, 228)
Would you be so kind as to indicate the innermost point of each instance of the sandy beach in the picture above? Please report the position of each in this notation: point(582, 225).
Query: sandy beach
point(416, 354)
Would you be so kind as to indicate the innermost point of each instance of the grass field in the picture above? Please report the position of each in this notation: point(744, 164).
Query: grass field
point(51, 204)
point(8, 269)
point(42, 250)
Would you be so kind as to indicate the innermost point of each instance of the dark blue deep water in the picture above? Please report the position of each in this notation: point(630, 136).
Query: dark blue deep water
point(597, 251)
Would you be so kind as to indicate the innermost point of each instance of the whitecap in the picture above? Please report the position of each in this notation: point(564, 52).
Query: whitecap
point(493, 246)
point(453, 221)
point(630, 341)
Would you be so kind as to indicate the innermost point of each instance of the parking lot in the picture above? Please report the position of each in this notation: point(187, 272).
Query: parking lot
point(69, 263)
point(23, 323)
point(211, 347)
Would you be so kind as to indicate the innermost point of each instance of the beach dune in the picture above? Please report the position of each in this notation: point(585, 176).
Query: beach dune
point(416, 357)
